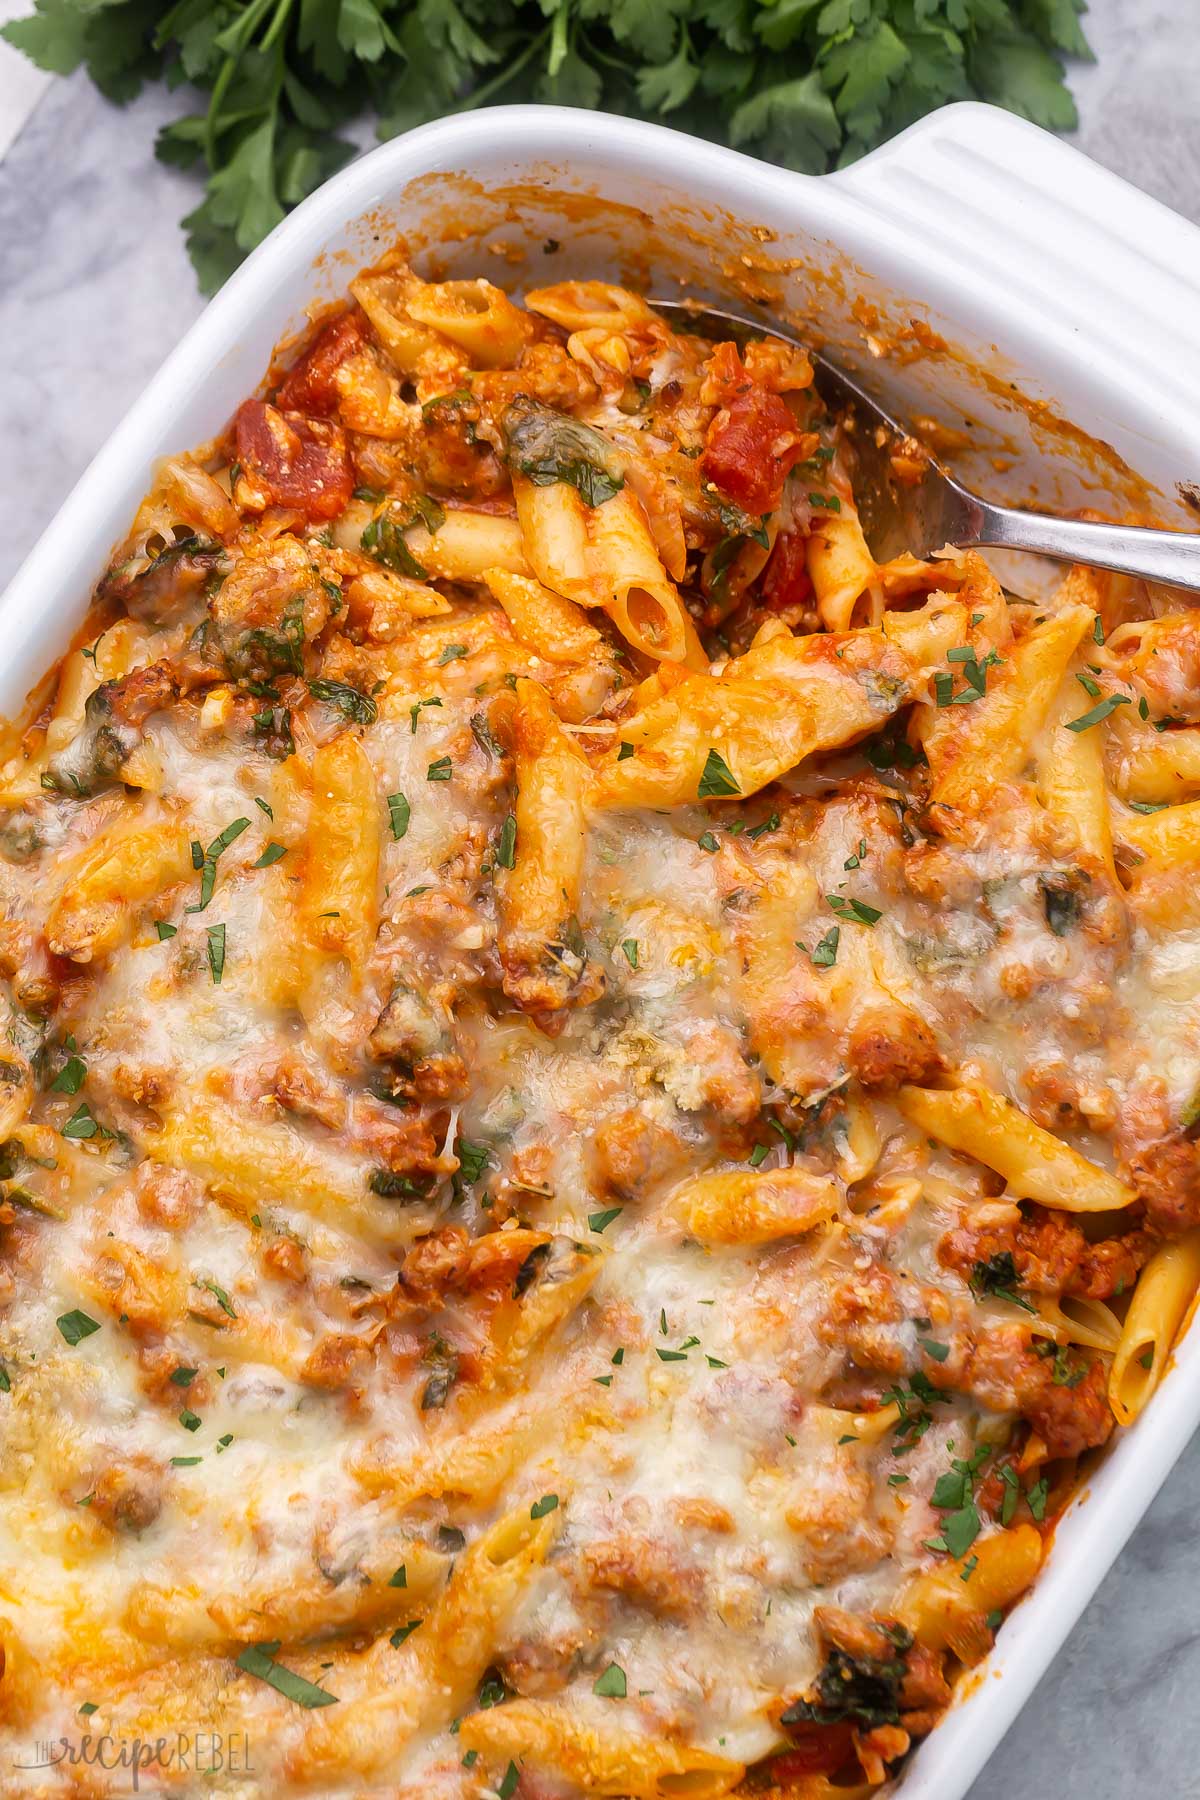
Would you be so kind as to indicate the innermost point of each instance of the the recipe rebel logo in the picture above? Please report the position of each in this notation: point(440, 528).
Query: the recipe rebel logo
point(183, 1753)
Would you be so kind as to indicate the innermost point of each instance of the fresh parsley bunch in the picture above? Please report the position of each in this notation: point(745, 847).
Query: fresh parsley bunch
point(808, 83)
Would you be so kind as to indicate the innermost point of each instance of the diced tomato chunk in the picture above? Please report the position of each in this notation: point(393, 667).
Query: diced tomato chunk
point(310, 385)
point(816, 1750)
point(785, 580)
point(752, 443)
point(299, 462)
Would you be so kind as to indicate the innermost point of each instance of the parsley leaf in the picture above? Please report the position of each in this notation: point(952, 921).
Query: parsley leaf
point(805, 84)
point(399, 813)
point(259, 1660)
point(75, 1326)
point(717, 778)
point(857, 911)
point(612, 1685)
point(70, 1077)
point(1098, 712)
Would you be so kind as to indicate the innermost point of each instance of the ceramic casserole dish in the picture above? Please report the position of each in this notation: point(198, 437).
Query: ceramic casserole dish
point(977, 272)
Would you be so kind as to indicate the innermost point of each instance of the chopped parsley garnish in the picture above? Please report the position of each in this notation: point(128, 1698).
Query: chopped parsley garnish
point(220, 1296)
point(399, 1577)
point(259, 1660)
point(1037, 1496)
point(547, 1504)
point(183, 1377)
point(913, 1402)
point(216, 952)
point(974, 671)
point(854, 860)
point(759, 1155)
point(1098, 712)
point(707, 841)
point(824, 956)
point(856, 911)
point(600, 1221)
point(717, 778)
point(630, 947)
point(207, 862)
point(612, 1685)
point(70, 1077)
point(508, 1782)
point(939, 1352)
point(770, 823)
point(451, 653)
point(404, 1631)
point(185, 1462)
point(82, 1124)
point(272, 854)
point(75, 1326)
point(189, 1420)
point(441, 770)
point(399, 813)
point(164, 930)
point(506, 848)
point(624, 751)
point(414, 711)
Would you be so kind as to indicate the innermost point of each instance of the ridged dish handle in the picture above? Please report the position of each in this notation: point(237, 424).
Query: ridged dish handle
point(1097, 259)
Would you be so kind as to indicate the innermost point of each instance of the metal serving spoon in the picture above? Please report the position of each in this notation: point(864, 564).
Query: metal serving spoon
point(937, 510)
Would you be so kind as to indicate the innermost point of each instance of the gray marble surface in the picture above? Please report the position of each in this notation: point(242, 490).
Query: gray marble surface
point(95, 288)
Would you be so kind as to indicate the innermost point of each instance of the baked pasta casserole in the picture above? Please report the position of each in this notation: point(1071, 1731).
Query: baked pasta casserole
point(600, 1091)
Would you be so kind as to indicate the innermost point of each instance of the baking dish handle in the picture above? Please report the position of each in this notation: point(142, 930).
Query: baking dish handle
point(1083, 245)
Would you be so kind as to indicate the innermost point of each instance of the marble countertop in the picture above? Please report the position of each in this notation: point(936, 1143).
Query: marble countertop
point(95, 288)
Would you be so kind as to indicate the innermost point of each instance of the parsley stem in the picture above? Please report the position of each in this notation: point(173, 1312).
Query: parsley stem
point(559, 44)
point(277, 24)
point(480, 95)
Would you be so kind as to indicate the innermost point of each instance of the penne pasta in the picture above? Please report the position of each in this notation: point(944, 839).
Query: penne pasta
point(747, 1207)
point(1165, 1291)
point(1035, 1164)
point(597, 1756)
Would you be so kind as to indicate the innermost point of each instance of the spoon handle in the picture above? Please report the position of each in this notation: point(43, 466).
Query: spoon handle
point(1170, 557)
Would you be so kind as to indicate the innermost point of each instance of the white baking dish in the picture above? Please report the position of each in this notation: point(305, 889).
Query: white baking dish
point(1061, 293)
